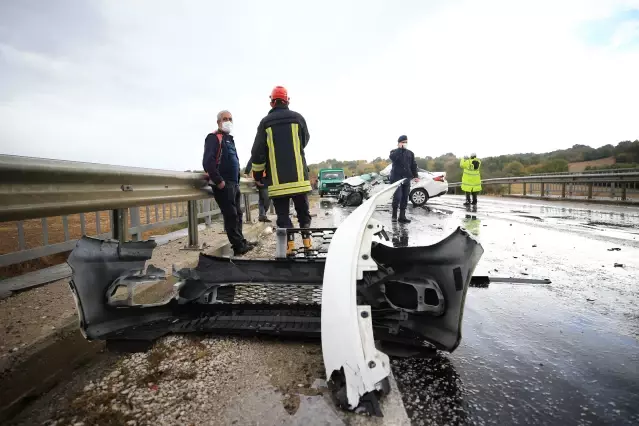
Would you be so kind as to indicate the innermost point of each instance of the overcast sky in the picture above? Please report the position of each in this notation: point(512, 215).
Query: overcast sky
point(140, 82)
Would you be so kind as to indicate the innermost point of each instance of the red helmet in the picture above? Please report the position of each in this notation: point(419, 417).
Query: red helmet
point(279, 93)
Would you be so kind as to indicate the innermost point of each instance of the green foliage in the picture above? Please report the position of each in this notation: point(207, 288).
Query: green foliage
point(626, 154)
point(615, 166)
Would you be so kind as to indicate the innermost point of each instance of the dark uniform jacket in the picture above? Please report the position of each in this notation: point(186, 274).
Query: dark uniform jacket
point(279, 149)
point(404, 165)
point(221, 161)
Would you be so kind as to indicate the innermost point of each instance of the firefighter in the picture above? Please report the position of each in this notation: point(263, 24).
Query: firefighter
point(404, 167)
point(279, 147)
point(471, 179)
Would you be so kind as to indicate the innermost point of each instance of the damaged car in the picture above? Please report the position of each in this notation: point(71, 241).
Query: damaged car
point(368, 298)
point(354, 190)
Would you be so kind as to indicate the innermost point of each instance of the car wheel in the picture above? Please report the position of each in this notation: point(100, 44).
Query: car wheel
point(418, 197)
point(354, 199)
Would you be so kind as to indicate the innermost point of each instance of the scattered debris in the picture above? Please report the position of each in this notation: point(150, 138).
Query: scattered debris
point(614, 249)
point(619, 265)
point(534, 245)
point(523, 273)
point(590, 300)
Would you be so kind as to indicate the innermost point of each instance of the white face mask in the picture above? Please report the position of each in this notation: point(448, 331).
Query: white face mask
point(227, 126)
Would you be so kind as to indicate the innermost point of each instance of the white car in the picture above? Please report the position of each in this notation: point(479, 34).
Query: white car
point(428, 185)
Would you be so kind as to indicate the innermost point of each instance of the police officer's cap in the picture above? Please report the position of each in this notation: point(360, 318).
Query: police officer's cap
point(402, 138)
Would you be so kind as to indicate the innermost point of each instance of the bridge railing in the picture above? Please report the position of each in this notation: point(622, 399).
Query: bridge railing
point(591, 172)
point(623, 182)
point(135, 200)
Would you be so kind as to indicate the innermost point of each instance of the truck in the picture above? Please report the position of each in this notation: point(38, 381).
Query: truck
point(329, 181)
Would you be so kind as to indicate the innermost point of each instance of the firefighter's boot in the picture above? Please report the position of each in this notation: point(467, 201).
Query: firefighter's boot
point(308, 242)
point(290, 245)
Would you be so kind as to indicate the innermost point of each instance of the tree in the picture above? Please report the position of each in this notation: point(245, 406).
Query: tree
point(514, 168)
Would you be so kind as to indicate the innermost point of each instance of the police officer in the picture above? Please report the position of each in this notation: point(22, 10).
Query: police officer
point(471, 179)
point(404, 167)
point(222, 164)
point(279, 147)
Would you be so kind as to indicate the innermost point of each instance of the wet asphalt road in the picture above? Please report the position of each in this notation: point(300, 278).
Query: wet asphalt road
point(565, 353)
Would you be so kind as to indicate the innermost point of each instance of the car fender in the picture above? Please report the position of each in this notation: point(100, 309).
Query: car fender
point(347, 333)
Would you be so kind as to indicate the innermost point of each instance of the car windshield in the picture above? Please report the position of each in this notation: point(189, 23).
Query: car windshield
point(333, 175)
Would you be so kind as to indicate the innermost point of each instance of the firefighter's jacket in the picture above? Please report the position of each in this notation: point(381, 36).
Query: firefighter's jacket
point(471, 180)
point(279, 149)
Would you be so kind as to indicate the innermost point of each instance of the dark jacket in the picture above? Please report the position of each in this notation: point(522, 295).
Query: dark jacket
point(221, 164)
point(404, 165)
point(279, 149)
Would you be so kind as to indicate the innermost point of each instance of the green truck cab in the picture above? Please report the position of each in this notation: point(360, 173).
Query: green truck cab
point(329, 181)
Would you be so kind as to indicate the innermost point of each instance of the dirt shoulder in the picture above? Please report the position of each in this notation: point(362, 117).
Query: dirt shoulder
point(36, 314)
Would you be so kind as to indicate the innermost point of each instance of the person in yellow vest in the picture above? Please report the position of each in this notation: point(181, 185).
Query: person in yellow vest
point(471, 180)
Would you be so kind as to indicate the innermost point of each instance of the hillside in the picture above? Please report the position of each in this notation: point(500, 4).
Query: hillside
point(624, 154)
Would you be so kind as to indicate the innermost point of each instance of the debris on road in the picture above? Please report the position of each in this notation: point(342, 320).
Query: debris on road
point(190, 380)
point(614, 249)
point(619, 265)
point(431, 389)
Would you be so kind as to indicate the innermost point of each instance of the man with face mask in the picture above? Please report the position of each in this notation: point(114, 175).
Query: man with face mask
point(404, 167)
point(222, 164)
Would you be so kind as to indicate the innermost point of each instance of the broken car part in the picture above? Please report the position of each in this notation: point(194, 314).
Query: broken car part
point(400, 300)
point(483, 281)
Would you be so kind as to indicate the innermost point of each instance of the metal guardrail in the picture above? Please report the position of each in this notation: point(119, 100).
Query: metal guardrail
point(608, 171)
point(621, 180)
point(36, 188)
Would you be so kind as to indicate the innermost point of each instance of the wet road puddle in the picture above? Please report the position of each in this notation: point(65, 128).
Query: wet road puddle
point(565, 353)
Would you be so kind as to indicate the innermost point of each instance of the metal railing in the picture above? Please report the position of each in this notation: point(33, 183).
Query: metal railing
point(36, 188)
point(623, 182)
point(590, 172)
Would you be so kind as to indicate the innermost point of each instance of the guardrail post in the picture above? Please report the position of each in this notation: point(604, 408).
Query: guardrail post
point(192, 215)
point(623, 191)
point(563, 190)
point(510, 189)
point(119, 219)
point(541, 194)
point(247, 207)
point(206, 207)
point(135, 223)
point(590, 191)
point(281, 243)
point(524, 189)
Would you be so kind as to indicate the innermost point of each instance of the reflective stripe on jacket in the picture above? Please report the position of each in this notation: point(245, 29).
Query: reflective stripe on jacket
point(471, 180)
point(279, 149)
